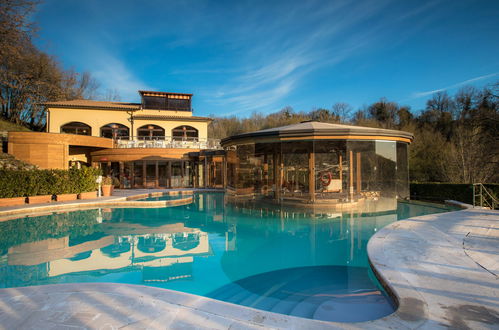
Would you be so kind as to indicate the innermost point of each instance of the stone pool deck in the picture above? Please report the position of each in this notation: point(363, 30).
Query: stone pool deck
point(442, 268)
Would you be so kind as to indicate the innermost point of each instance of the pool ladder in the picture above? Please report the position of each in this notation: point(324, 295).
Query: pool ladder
point(485, 198)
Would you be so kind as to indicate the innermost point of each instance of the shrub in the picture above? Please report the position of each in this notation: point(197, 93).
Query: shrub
point(107, 181)
point(22, 183)
point(435, 191)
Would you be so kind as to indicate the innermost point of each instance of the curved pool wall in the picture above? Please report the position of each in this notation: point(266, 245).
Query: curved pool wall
point(271, 258)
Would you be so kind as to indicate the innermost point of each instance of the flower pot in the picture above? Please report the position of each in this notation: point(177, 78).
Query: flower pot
point(88, 195)
point(66, 197)
point(13, 201)
point(107, 190)
point(39, 199)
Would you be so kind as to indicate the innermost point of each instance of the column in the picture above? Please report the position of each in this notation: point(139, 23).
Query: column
point(169, 174)
point(358, 172)
point(350, 171)
point(144, 173)
point(122, 174)
point(156, 182)
point(311, 175)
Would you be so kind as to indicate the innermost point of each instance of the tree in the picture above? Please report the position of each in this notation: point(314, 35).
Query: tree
point(28, 76)
point(342, 111)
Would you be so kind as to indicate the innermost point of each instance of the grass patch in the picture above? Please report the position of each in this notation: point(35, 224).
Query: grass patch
point(8, 126)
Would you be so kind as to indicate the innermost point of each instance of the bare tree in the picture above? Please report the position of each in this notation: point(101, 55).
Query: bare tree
point(343, 111)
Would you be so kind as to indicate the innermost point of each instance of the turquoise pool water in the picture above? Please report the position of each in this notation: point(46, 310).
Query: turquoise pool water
point(270, 258)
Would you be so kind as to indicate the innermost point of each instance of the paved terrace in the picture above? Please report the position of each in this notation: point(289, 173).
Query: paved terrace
point(443, 270)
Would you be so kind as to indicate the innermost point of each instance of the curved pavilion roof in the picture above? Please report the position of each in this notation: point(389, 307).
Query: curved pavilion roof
point(315, 130)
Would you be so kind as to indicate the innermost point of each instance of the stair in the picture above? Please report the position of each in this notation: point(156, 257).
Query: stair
point(331, 293)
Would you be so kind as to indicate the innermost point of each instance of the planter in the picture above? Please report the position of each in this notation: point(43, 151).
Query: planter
point(13, 201)
point(66, 197)
point(107, 190)
point(39, 199)
point(88, 195)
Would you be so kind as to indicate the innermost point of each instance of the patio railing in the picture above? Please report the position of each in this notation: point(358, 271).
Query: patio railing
point(167, 142)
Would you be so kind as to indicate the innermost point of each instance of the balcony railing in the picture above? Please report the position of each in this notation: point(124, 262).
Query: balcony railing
point(167, 142)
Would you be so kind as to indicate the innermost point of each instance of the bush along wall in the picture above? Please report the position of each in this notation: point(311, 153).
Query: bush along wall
point(22, 183)
point(435, 191)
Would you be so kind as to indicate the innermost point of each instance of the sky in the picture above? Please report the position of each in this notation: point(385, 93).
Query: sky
point(238, 57)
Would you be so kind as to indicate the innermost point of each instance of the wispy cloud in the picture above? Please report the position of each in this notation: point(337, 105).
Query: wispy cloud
point(306, 39)
point(459, 84)
point(113, 74)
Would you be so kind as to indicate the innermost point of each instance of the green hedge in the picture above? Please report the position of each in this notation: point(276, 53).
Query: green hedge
point(20, 183)
point(435, 191)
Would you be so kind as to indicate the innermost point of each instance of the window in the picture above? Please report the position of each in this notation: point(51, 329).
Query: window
point(115, 131)
point(185, 133)
point(151, 132)
point(76, 127)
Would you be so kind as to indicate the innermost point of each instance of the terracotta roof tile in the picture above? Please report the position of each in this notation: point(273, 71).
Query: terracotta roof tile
point(94, 104)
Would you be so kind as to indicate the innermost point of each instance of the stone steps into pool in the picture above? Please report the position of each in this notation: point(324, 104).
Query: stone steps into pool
point(305, 292)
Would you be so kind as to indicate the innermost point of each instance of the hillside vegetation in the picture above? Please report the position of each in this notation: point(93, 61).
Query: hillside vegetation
point(9, 162)
point(7, 126)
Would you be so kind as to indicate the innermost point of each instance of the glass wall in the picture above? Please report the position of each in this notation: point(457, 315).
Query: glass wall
point(320, 171)
point(152, 173)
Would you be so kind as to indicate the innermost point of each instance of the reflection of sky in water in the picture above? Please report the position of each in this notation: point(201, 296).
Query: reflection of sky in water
point(225, 252)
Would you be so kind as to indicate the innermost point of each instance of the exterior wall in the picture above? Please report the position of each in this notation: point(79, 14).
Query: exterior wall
point(168, 126)
point(149, 112)
point(98, 118)
point(93, 118)
point(53, 151)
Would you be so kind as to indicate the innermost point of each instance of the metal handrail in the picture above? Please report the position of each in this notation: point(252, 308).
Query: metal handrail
point(483, 192)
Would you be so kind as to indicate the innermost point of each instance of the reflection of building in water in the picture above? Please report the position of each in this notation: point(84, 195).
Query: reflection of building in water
point(161, 254)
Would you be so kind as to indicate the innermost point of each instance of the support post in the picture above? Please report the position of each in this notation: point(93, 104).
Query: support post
point(350, 171)
point(132, 174)
point(340, 160)
point(311, 176)
point(144, 174)
point(122, 174)
point(156, 183)
point(169, 174)
point(358, 172)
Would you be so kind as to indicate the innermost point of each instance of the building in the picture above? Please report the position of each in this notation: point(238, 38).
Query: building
point(160, 144)
point(314, 163)
point(157, 143)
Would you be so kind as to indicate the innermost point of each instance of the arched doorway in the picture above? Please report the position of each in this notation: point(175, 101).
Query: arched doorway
point(76, 127)
point(115, 131)
point(185, 133)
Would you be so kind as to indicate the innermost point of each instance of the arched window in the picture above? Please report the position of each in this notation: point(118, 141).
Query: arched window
point(151, 244)
point(150, 132)
point(114, 131)
point(185, 133)
point(75, 127)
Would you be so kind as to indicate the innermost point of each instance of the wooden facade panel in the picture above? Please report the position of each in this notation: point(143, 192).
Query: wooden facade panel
point(44, 156)
point(56, 138)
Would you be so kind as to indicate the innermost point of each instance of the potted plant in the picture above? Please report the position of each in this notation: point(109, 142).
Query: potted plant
point(107, 186)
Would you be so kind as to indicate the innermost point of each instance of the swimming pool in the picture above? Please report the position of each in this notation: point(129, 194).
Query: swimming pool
point(266, 257)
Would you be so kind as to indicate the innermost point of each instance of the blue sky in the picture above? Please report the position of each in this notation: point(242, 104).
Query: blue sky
point(238, 57)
